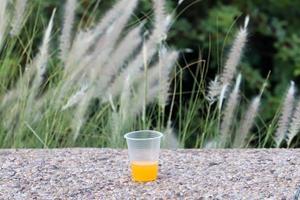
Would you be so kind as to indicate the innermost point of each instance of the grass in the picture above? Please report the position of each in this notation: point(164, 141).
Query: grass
point(114, 78)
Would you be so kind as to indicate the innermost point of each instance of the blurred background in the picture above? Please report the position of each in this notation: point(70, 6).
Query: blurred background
point(206, 29)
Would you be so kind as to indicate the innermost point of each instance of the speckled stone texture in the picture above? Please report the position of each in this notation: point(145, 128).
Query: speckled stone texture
point(184, 174)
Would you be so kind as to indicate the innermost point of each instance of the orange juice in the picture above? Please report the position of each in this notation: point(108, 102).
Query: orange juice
point(144, 171)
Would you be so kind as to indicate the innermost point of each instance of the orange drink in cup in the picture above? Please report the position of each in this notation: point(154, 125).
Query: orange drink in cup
point(143, 150)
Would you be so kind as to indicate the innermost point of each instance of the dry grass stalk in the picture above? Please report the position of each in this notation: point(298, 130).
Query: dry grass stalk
point(286, 113)
point(66, 35)
point(229, 112)
point(246, 124)
point(230, 68)
point(18, 17)
point(295, 125)
point(170, 140)
point(3, 21)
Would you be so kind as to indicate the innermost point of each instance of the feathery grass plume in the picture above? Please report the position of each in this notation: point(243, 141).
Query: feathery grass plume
point(146, 82)
point(94, 62)
point(232, 62)
point(109, 38)
point(295, 125)
point(160, 16)
point(213, 90)
point(85, 40)
point(116, 129)
point(112, 14)
point(124, 99)
point(86, 57)
point(77, 59)
point(35, 70)
point(286, 112)
point(133, 68)
point(167, 61)
point(122, 118)
point(148, 87)
point(246, 124)
point(137, 64)
point(79, 114)
point(119, 118)
point(3, 21)
point(137, 103)
point(228, 113)
point(76, 98)
point(66, 34)
point(41, 61)
point(123, 51)
point(108, 42)
point(234, 55)
point(38, 68)
point(165, 66)
point(222, 96)
point(152, 82)
point(18, 17)
point(170, 140)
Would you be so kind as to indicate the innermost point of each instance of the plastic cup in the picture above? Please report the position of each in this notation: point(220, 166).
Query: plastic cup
point(143, 151)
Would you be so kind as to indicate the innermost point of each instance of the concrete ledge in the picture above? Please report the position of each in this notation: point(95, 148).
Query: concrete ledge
point(184, 174)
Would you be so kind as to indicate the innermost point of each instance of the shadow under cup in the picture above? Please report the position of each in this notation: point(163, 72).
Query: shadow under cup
point(143, 150)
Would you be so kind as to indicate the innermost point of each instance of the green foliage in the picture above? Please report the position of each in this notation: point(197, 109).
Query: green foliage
point(273, 41)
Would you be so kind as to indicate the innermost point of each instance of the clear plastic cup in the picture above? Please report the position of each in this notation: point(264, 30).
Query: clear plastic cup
point(143, 150)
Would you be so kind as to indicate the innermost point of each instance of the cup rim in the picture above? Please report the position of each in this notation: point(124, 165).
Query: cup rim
point(159, 135)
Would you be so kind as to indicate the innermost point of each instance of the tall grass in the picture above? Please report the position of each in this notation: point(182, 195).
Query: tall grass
point(87, 95)
point(88, 86)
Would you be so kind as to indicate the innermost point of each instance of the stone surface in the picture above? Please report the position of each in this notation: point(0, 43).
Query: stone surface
point(184, 174)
